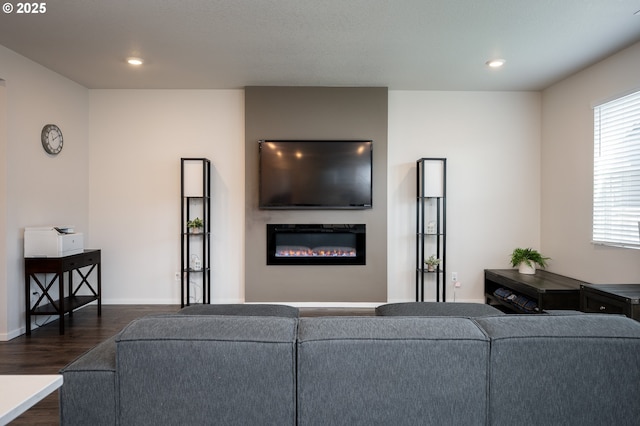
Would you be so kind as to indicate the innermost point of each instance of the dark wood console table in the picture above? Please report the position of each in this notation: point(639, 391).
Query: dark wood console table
point(548, 290)
point(46, 304)
point(612, 299)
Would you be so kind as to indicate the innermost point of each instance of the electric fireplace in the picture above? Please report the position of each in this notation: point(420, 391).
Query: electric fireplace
point(289, 244)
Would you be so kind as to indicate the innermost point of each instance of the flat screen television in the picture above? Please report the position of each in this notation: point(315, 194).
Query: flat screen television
point(315, 174)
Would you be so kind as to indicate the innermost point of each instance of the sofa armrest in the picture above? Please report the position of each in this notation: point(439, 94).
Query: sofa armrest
point(88, 394)
point(574, 369)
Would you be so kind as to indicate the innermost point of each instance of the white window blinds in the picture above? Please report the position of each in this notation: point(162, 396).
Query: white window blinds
point(616, 172)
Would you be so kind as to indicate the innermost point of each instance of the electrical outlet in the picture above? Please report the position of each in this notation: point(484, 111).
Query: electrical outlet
point(177, 276)
point(454, 276)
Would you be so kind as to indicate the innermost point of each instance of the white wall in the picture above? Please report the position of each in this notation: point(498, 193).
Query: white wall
point(567, 171)
point(117, 179)
point(4, 290)
point(40, 189)
point(137, 139)
point(492, 144)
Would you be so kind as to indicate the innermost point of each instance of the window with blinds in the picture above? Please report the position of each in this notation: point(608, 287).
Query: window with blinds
point(616, 172)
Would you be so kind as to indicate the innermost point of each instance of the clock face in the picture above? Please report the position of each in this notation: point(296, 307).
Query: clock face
point(51, 137)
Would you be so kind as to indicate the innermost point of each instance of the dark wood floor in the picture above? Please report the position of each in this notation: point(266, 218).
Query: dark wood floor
point(46, 351)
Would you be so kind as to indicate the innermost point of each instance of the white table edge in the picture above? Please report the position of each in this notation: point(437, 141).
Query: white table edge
point(18, 393)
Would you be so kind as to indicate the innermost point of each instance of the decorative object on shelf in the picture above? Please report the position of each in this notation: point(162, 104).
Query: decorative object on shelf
point(196, 263)
point(51, 138)
point(195, 220)
point(526, 260)
point(195, 225)
point(431, 227)
point(432, 263)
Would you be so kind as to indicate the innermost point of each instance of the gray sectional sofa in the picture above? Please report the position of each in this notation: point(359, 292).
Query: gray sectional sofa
point(193, 368)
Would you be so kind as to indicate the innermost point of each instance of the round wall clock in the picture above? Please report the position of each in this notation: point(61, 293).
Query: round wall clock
point(51, 137)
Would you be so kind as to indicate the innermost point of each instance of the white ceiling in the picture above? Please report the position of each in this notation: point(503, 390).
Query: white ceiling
point(401, 44)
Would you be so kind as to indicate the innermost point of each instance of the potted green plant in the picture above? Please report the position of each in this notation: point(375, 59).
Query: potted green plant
point(195, 225)
point(526, 260)
point(432, 262)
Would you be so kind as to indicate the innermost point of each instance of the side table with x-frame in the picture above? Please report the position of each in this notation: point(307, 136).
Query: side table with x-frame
point(83, 264)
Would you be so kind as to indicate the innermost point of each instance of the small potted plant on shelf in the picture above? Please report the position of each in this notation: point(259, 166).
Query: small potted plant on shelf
point(195, 225)
point(526, 260)
point(432, 263)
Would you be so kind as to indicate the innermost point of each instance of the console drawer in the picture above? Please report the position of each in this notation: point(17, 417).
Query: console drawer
point(622, 299)
point(600, 304)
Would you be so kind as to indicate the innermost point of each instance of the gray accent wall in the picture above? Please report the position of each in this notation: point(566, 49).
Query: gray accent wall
point(320, 113)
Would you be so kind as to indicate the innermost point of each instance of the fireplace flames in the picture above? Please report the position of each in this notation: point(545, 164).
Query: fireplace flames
point(315, 252)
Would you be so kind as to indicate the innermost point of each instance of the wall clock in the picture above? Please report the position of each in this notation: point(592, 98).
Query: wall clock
point(51, 137)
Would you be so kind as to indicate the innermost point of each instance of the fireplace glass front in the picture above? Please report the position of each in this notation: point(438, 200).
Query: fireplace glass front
point(289, 244)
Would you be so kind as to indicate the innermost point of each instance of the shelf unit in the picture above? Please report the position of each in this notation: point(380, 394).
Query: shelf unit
point(431, 226)
point(195, 267)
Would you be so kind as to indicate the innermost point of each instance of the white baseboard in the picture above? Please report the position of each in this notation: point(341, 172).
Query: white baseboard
point(221, 302)
point(139, 302)
point(5, 337)
point(158, 301)
point(34, 326)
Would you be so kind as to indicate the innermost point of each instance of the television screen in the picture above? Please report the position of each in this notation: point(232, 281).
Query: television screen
point(315, 174)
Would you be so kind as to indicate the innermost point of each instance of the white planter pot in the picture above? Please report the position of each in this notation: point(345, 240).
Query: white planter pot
point(523, 268)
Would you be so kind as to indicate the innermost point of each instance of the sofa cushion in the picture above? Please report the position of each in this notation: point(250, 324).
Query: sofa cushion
point(194, 369)
point(242, 309)
point(437, 309)
point(569, 370)
point(88, 394)
point(374, 370)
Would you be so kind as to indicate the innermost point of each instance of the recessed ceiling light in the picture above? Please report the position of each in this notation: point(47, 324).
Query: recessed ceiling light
point(135, 61)
point(495, 63)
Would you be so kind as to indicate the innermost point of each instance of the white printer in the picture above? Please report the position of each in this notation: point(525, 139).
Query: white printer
point(52, 241)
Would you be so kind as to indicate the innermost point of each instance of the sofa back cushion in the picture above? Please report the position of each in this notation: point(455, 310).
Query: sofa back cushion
point(196, 369)
point(568, 370)
point(391, 370)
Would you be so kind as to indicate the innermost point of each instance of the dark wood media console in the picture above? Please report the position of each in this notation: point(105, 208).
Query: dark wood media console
point(550, 291)
point(612, 299)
